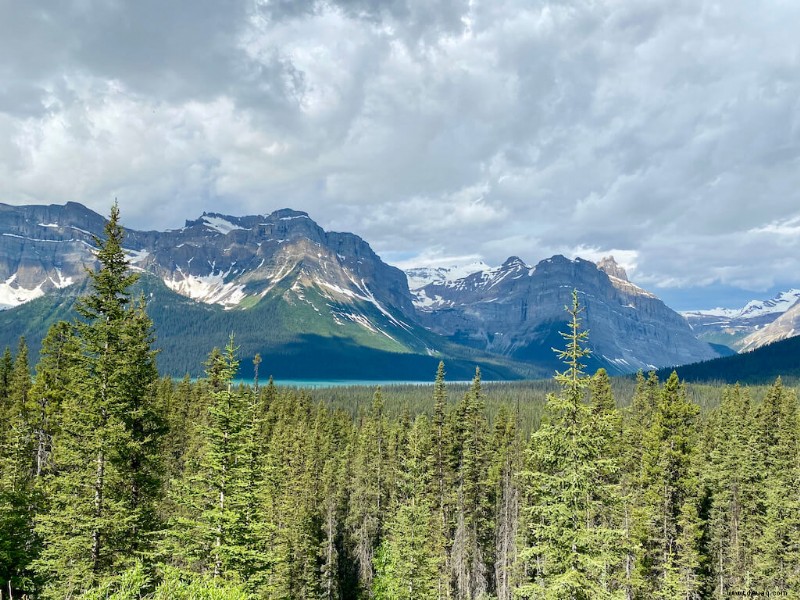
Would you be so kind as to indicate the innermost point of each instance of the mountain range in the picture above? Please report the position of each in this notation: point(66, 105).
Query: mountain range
point(757, 323)
point(323, 304)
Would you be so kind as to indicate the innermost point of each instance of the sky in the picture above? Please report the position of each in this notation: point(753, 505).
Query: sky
point(664, 132)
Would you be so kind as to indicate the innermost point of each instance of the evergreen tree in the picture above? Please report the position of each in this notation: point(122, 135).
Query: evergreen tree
point(209, 532)
point(6, 367)
point(59, 349)
point(567, 480)
point(670, 528)
point(18, 497)
point(368, 495)
point(407, 562)
point(778, 547)
point(472, 538)
point(442, 482)
point(506, 458)
point(732, 477)
point(105, 480)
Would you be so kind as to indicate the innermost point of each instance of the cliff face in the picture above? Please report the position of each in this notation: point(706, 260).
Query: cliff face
point(515, 308)
point(44, 248)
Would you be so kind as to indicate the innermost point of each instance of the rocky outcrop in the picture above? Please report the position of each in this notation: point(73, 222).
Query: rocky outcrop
point(517, 310)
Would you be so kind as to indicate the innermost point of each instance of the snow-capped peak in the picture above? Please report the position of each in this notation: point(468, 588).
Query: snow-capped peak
point(419, 277)
point(755, 308)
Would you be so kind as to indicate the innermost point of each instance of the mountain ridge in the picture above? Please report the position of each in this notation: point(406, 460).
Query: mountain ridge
point(344, 291)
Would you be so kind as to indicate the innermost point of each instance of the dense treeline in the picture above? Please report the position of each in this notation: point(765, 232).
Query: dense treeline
point(117, 484)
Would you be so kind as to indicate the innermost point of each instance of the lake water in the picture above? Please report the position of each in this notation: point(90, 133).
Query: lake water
point(317, 383)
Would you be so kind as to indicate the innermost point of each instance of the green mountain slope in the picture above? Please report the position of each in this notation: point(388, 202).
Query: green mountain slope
point(305, 336)
point(761, 366)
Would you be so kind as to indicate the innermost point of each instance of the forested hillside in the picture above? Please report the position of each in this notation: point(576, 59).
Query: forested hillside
point(117, 484)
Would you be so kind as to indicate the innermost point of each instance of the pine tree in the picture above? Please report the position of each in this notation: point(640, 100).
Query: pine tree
point(778, 547)
point(670, 528)
point(506, 457)
point(472, 538)
point(210, 530)
point(407, 562)
point(6, 367)
point(18, 495)
point(569, 550)
point(50, 388)
point(732, 477)
point(106, 466)
point(368, 495)
point(442, 478)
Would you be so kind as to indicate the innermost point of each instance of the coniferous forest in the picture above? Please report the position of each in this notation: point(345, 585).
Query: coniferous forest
point(115, 483)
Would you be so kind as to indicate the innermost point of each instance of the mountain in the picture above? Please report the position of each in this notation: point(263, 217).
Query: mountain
point(785, 326)
point(323, 303)
point(730, 326)
point(517, 310)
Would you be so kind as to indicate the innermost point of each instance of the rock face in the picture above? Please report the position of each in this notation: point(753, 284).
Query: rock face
point(216, 259)
point(43, 248)
point(785, 326)
point(517, 310)
point(333, 285)
point(734, 327)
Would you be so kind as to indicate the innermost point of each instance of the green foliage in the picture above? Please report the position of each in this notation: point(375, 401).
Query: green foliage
point(114, 484)
point(570, 484)
point(106, 475)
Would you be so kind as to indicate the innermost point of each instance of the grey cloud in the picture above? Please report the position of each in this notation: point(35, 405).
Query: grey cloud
point(666, 130)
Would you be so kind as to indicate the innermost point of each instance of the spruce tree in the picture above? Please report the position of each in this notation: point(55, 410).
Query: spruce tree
point(408, 560)
point(18, 494)
point(442, 481)
point(472, 538)
point(669, 527)
point(732, 477)
point(209, 530)
point(777, 563)
point(368, 495)
point(506, 458)
point(105, 481)
point(569, 550)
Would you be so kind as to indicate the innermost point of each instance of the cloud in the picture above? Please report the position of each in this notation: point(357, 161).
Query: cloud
point(667, 132)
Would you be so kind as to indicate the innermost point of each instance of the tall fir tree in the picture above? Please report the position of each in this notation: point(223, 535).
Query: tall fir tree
point(568, 549)
point(732, 476)
point(408, 561)
point(670, 527)
point(369, 494)
point(210, 532)
point(472, 537)
point(777, 564)
point(105, 481)
point(18, 493)
point(506, 462)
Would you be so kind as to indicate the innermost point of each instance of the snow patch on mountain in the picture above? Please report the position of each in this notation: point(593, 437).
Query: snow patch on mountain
point(419, 277)
point(12, 295)
point(210, 288)
point(219, 224)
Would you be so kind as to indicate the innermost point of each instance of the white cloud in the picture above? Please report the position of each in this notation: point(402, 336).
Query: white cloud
point(664, 132)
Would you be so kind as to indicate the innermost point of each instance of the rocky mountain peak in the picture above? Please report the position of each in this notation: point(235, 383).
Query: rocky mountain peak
point(514, 263)
point(610, 267)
